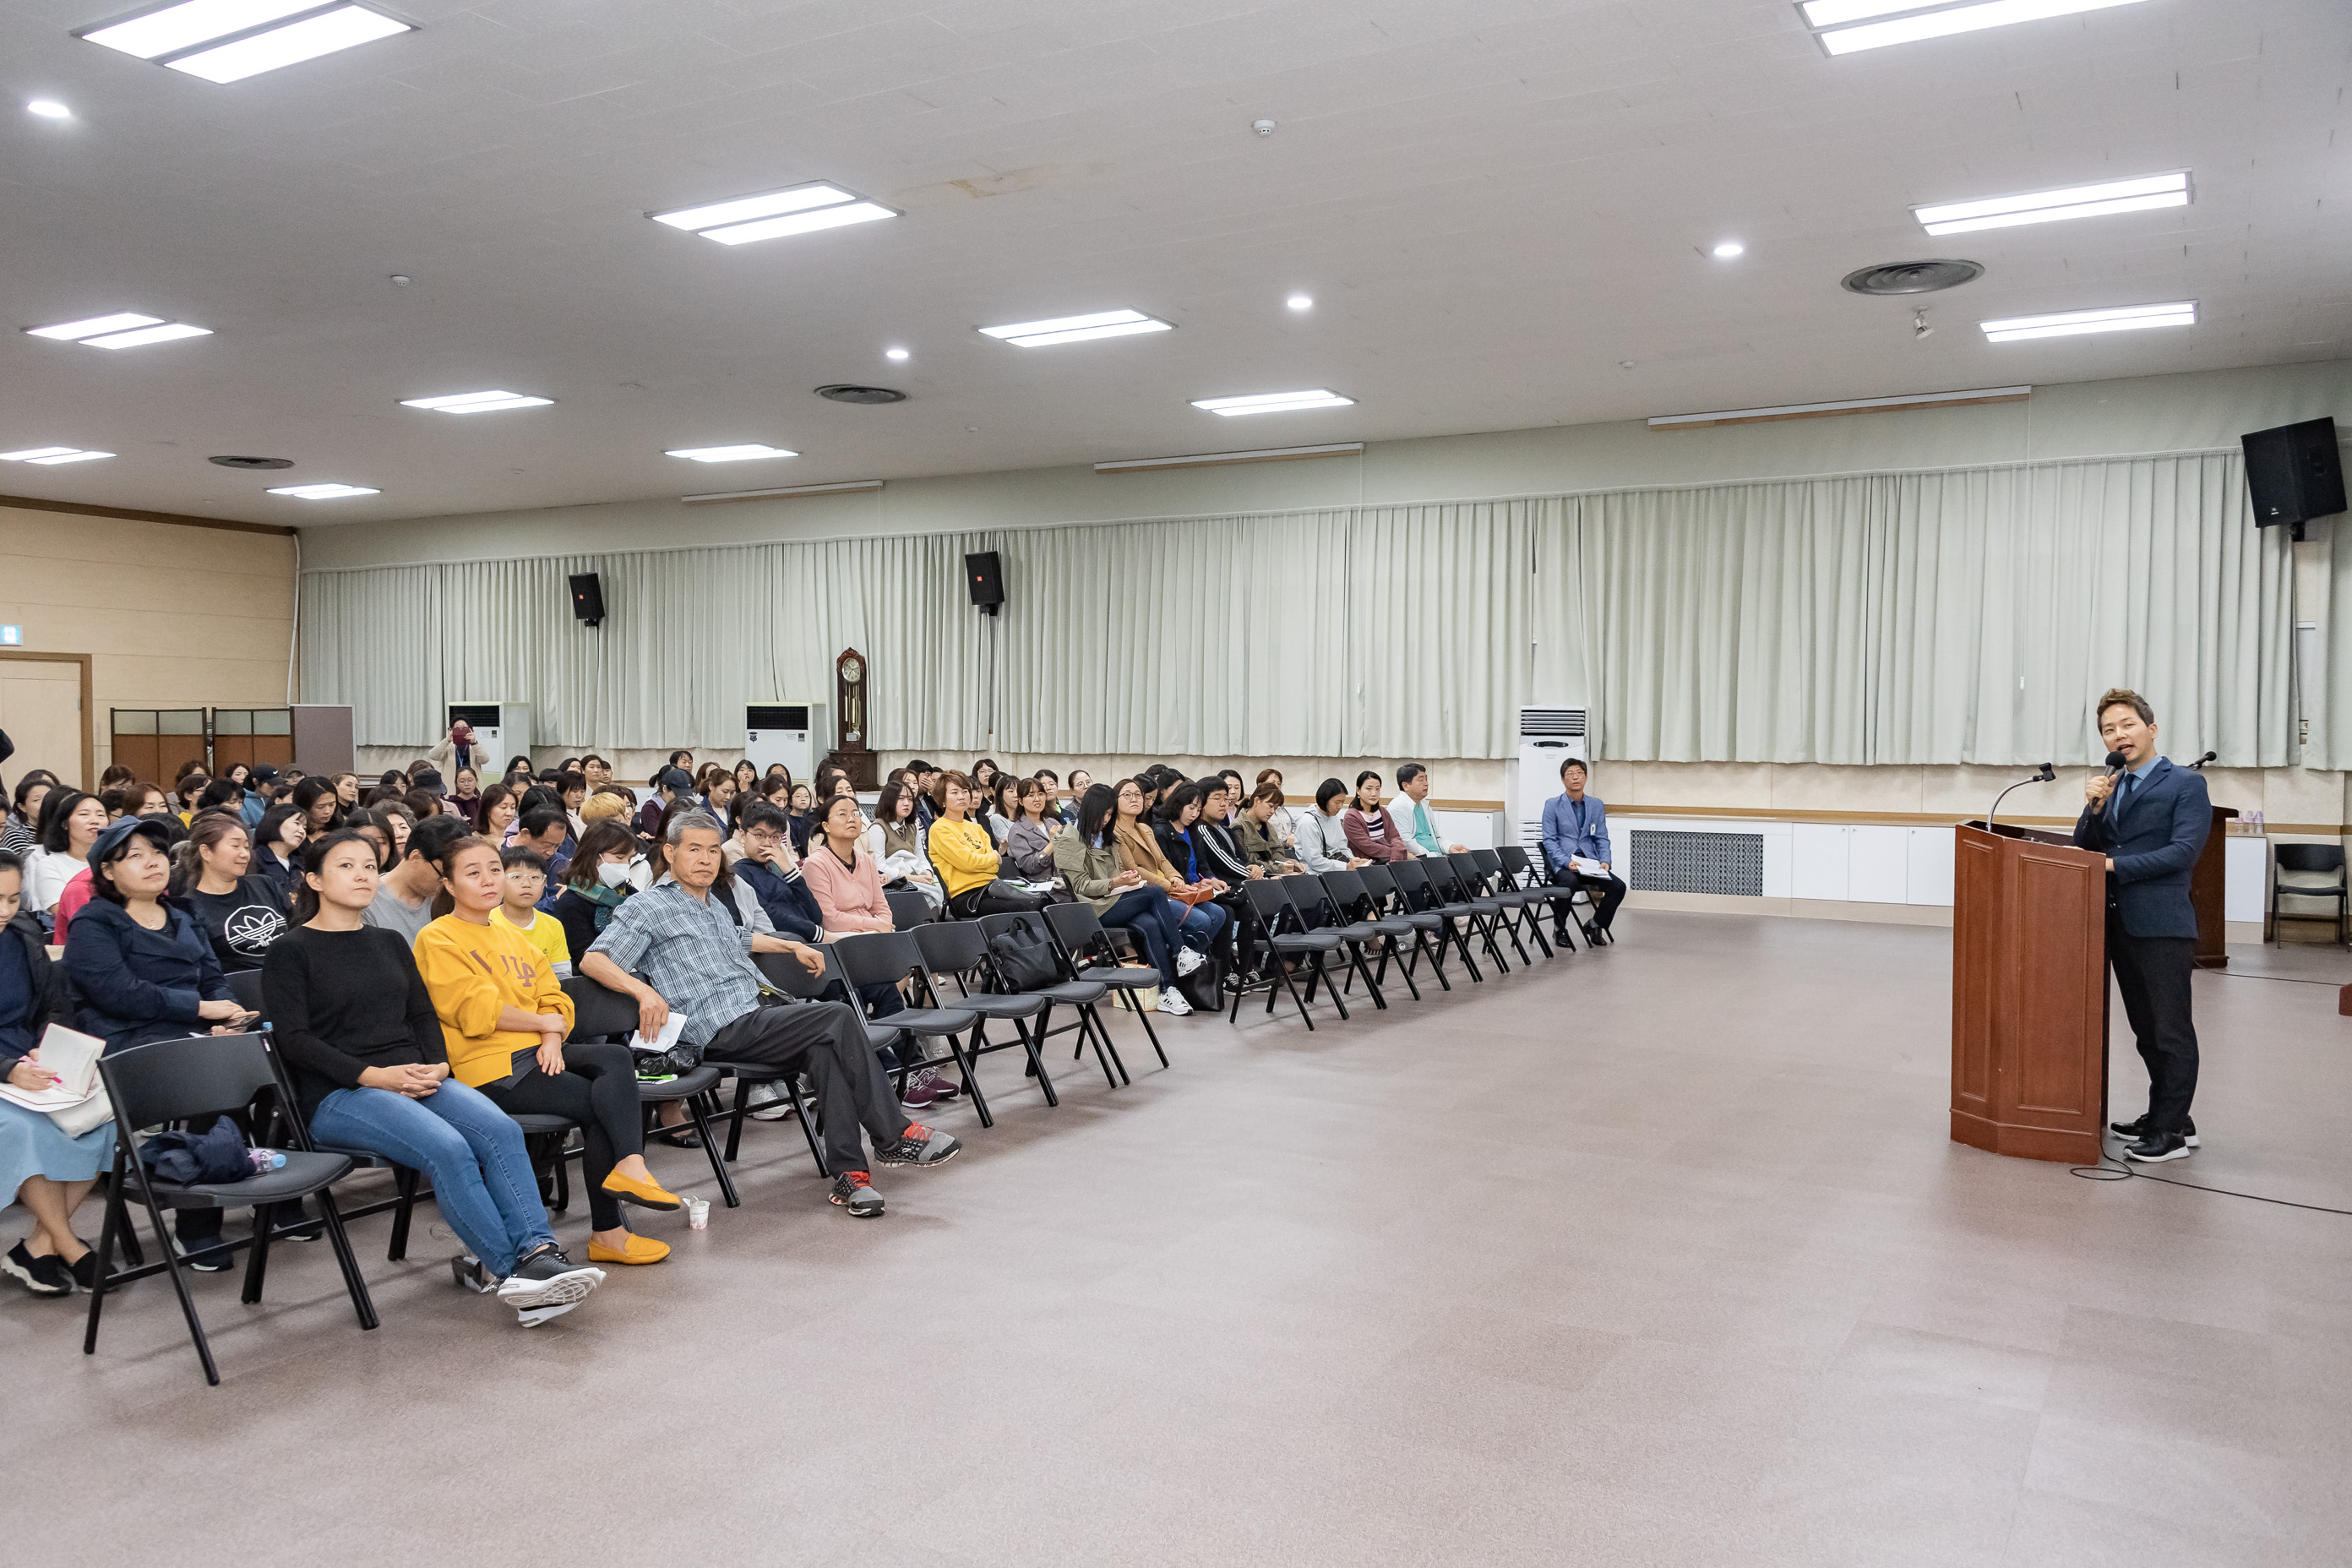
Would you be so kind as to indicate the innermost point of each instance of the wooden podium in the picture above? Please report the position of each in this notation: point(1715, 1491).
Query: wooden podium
point(2207, 885)
point(2029, 994)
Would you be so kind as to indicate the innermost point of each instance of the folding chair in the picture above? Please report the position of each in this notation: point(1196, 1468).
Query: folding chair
point(1317, 912)
point(909, 908)
point(885, 958)
point(1354, 907)
point(1472, 874)
point(1280, 934)
point(1480, 913)
point(1388, 903)
point(1519, 872)
point(959, 949)
point(1080, 933)
point(1080, 996)
point(601, 1014)
point(1421, 892)
point(175, 1080)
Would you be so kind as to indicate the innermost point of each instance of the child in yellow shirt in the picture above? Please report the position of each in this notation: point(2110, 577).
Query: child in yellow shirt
point(526, 884)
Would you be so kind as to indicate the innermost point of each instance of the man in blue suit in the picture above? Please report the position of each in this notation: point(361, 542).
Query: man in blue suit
point(1576, 827)
point(2150, 820)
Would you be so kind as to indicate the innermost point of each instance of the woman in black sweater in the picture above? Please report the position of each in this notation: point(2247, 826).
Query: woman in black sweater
point(355, 1023)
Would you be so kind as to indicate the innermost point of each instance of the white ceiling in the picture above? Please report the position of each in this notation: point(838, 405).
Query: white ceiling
point(1493, 202)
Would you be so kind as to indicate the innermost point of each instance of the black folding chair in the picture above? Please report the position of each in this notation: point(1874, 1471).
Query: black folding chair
point(1354, 907)
point(599, 1013)
point(1317, 913)
point(1419, 888)
point(958, 950)
point(1280, 935)
point(177, 1080)
point(1082, 936)
point(1080, 996)
point(887, 958)
point(1497, 907)
point(1480, 914)
point(909, 908)
point(1386, 902)
point(1519, 873)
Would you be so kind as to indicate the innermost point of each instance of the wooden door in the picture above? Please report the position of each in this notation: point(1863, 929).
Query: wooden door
point(41, 710)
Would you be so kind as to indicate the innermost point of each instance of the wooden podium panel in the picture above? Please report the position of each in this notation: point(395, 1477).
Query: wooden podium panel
point(2206, 885)
point(2029, 994)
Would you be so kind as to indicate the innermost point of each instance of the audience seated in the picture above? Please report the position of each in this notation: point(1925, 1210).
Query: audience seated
point(696, 956)
point(1415, 815)
point(405, 895)
point(1286, 826)
point(1262, 846)
point(1089, 856)
point(769, 866)
point(519, 774)
point(1003, 809)
point(505, 1018)
point(546, 832)
point(1322, 842)
point(277, 841)
point(351, 1014)
point(967, 858)
point(398, 822)
point(1576, 828)
point(321, 805)
point(1212, 839)
point(672, 783)
point(241, 911)
point(596, 881)
point(22, 833)
point(70, 823)
point(41, 1167)
point(1371, 833)
point(1028, 846)
point(523, 909)
point(1173, 826)
point(897, 843)
point(495, 813)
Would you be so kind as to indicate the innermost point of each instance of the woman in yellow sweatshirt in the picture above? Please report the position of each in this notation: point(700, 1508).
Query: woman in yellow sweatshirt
point(506, 1017)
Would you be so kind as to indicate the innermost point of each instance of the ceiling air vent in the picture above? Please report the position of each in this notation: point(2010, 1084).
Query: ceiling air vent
point(1913, 277)
point(842, 392)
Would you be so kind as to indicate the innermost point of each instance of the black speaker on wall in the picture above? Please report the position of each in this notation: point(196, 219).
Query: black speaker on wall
point(985, 575)
point(588, 598)
point(2294, 473)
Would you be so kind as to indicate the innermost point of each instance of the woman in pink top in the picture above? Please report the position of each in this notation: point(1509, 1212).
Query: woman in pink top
point(847, 885)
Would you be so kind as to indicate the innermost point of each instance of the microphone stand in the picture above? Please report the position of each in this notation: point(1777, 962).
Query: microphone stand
point(2047, 773)
point(2199, 765)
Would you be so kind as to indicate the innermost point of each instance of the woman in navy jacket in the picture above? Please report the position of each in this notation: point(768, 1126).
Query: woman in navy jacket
point(140, 971)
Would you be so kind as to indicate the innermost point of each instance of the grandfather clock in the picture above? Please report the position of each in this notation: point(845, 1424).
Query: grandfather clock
point(851, 755)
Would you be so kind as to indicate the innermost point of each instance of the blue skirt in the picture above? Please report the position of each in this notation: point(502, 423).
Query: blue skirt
point(31, 1145)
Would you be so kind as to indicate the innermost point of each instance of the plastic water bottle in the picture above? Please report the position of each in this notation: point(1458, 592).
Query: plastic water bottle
point(265, 1160)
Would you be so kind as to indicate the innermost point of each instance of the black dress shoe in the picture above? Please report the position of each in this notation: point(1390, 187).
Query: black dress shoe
point(2135, 1130)
point(687, 1139)
point(2157, 1147)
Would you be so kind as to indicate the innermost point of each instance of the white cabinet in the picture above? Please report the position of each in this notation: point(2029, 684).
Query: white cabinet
point(1929, 879)
point(1857, 864)
point(1818, 856)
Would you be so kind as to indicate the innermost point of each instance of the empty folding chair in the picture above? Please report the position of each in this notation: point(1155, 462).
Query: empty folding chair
point(1354, 906)
point(909, 908)
point(1420, 890)
point(1430, 929)
point(1088, 948)
point(1518, 875)
point(1284, 938)
point(958, 950)
point(1028, 930)
point(885, 958)
point(1476, 877)
point(1480, 913)
point(1317, 913)
point(205, 1075)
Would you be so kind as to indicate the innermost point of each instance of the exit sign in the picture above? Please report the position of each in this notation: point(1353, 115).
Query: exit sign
point(12, 637)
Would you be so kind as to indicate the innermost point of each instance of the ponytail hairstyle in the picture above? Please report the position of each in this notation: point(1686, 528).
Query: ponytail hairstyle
point(209, 828)
point(310, 857)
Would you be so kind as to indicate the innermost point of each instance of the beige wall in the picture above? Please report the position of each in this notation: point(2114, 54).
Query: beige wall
point(172, 615)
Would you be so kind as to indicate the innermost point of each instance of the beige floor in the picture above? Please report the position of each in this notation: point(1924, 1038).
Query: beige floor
point(1654, 1255)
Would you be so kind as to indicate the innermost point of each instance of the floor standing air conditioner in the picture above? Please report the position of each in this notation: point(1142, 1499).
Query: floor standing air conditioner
point(1548, 738)
point(501, 730)
point(792, 734)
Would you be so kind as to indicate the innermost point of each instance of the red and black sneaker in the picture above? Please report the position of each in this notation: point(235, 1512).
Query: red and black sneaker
point(854, 1190)
point(918, 1146)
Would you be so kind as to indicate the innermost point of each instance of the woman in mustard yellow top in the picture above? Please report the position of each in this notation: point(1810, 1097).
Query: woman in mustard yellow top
point(505, 1017)
point(966, 857)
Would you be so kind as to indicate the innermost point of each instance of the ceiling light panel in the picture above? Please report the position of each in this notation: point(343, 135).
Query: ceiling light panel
point(47, 457)
point(2075, 323)
point(323, 492)
point(1845, 26)
point(2142, 195)
point(801, 209)
point(344, 28)
point(742, 454)
point(140, 337)
point(1076, 328)
point(74, 332)
point(476, 402)
point(229, 40)
point(1273, 402)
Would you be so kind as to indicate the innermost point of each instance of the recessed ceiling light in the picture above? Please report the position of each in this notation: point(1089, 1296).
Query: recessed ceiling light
point(45, 456)
point(229, 40)
point(1300, 302)
point(74, 332)
point(140, 337)
point(476, 402)
point(894, 354)
point(1273, 402)
point(2048, 206)
point(1076, 328)
point(803, 209)
point(729, 454)
point(1828, 17)
point(1728, 249)
point(48, 108)
point(323, 492)
point(2071, 323)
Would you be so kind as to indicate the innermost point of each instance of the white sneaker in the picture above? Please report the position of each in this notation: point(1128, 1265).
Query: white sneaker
point(1189, 959)
point(1172, 1003)
point(768, 1102)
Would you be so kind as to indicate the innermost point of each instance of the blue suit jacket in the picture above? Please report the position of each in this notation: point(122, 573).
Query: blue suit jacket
point(2155, 849)
point(1560, 838)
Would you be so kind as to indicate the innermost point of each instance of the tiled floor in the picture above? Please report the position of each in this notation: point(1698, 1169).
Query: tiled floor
point(1653, 1255)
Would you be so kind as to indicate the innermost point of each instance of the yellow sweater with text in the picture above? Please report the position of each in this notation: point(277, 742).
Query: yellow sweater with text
point(472, 972)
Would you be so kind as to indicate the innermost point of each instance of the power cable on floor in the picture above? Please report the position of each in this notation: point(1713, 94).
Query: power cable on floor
point(2108, 1169)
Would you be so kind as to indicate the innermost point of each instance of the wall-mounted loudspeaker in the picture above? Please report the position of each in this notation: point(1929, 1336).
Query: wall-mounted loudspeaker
point(588, 598)
point(2294, 473)
point(985, 575)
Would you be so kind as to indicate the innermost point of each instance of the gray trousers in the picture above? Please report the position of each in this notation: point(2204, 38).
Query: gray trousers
point(826, 1040)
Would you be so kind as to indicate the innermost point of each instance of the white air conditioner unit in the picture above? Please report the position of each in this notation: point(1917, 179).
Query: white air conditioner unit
point(501, 730)
point(1548, 738)
point(792, 734)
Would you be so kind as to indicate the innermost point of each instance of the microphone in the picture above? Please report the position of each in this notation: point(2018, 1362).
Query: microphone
point(2199, 765)
point(2047, 773)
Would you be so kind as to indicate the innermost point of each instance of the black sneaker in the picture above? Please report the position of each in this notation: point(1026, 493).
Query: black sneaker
point(84, 1269)
point(2135, 1130)
point(204, 1254)
point(546, 1278)
point(291, 1225)
point(41, 1276)
point(854, 1190)
point(918, 1146)
point(2156, 1147)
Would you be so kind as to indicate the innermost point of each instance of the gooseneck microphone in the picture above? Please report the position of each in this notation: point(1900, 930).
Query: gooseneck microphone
point(2199, 765)
point(2047, 773)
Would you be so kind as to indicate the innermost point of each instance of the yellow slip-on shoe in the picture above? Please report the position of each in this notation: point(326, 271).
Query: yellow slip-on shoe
point(641, 1249)
point(645, 1194)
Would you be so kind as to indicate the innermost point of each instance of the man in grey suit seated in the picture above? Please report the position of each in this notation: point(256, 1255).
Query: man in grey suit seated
point(1576, 827)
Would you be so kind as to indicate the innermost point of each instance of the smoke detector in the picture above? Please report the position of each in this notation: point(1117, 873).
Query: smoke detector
point(1263, 127)
point(843, 391)
point(1912, 277)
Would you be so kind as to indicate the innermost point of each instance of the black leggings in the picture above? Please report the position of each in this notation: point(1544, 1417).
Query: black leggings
point(597, 1089)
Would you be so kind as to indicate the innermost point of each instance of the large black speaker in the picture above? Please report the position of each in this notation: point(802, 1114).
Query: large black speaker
point(2294, 473)
point(588, 598)
point(985, 575)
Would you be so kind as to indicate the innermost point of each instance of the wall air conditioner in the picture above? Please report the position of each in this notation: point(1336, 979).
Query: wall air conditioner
point(1548, 737)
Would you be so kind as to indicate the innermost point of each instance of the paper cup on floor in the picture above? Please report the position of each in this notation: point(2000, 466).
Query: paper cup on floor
point(697, 1213)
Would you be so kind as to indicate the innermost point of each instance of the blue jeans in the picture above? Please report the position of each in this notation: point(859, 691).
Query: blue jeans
point(1164, 924)
point(472, 1149)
